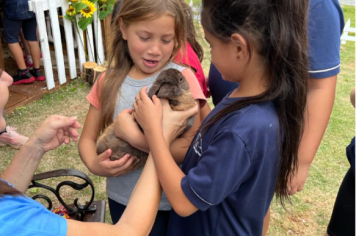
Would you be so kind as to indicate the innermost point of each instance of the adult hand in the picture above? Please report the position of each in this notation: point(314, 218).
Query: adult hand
point(299, 178)
point(109, 168)
point(54, 131)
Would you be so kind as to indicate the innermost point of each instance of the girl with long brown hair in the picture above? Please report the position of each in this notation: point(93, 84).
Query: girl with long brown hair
point(146, 37)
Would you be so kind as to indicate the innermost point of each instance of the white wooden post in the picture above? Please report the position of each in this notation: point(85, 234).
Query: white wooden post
point(345, 35)
point(90, 43)
point(81, 53)
point(41, 23)
point(98, 37)
point(57, 40)
point(69, 41)
point(39, 7)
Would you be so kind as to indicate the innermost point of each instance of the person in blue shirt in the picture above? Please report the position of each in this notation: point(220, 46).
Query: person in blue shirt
point(247, 147)
point(325, 25)
point(342, 221)
point(21, 215)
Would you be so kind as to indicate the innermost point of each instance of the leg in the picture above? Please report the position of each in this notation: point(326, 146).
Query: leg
point(342, 221)
point(11, 33)
point(16, 52)
point(25, 44)
point(266, 222)
point(30, 32)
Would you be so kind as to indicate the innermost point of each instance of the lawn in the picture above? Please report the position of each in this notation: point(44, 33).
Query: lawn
point(310, 210)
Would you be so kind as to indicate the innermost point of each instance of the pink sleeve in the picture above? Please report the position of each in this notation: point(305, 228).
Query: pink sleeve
point(93, 96)
point(194, 86)
point(190, 58)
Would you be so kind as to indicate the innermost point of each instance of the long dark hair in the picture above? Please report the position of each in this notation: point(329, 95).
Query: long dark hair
point(276, 30)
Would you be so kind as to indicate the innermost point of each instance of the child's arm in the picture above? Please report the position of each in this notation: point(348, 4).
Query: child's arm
point(139, 214)
point(127, 129)
point(320, 100)
point(179, 146)
point(100, 164)
point(169, 173)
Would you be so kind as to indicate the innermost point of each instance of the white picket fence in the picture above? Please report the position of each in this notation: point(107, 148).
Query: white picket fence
point(39, 7)
point(345, 35)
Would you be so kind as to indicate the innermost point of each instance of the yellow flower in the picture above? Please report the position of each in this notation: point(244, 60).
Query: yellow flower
point(88, 12)
point(72, 0)
point(71, 11)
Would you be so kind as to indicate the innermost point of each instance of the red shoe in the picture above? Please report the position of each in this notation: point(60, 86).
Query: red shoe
point(37, 73)
point(23, 77)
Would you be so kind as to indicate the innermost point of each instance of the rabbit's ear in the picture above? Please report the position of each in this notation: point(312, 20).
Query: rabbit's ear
point(153, 90)
point(169, 91)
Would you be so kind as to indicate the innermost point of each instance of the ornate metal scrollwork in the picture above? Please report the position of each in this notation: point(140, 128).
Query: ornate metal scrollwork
point(76, 207)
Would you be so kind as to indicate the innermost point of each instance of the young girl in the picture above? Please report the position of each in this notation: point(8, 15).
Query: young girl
point(247, 146)
point(147, 36)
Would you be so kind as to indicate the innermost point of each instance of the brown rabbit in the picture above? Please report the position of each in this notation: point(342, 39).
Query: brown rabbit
point(170, 84)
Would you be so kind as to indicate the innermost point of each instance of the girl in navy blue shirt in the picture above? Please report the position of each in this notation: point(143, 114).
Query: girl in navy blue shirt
point(247, 146)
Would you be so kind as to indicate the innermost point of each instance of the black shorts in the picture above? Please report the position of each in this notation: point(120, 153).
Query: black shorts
point(342, 222)
point(12, 30)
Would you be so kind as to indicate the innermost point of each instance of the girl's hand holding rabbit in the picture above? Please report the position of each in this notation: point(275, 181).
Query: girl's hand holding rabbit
point(157, 116)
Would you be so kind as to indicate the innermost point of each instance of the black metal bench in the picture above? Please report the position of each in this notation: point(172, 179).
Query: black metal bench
point(90, 211)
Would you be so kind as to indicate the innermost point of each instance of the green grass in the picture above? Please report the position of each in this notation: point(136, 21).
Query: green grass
point(311, 209)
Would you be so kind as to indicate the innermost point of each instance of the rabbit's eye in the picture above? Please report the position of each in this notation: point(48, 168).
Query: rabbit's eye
point(181, 79)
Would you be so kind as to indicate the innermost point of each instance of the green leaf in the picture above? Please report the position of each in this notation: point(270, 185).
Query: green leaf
point(103, 6)
point(34, 190)
point(103, 14)
point(112, 2)
point(71, 18)
point(110, 8)
point(80, 6)
point(84, 22)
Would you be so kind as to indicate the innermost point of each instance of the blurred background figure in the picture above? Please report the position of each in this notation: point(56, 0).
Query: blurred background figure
point(16, 17)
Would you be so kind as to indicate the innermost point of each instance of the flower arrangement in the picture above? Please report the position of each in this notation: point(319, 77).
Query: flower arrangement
point(86, 8)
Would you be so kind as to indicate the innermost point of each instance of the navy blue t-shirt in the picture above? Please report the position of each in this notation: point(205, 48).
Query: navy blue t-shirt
point(17, 10)
point(231, 173)
point(326, 22)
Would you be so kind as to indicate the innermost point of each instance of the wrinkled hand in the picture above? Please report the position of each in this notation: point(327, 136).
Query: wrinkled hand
point(54, 131)
point(125, 126)
point(298, 180)
point(115, 168)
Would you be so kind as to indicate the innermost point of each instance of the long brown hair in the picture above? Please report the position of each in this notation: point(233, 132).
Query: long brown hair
point(277, 30)
point(120, 60)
